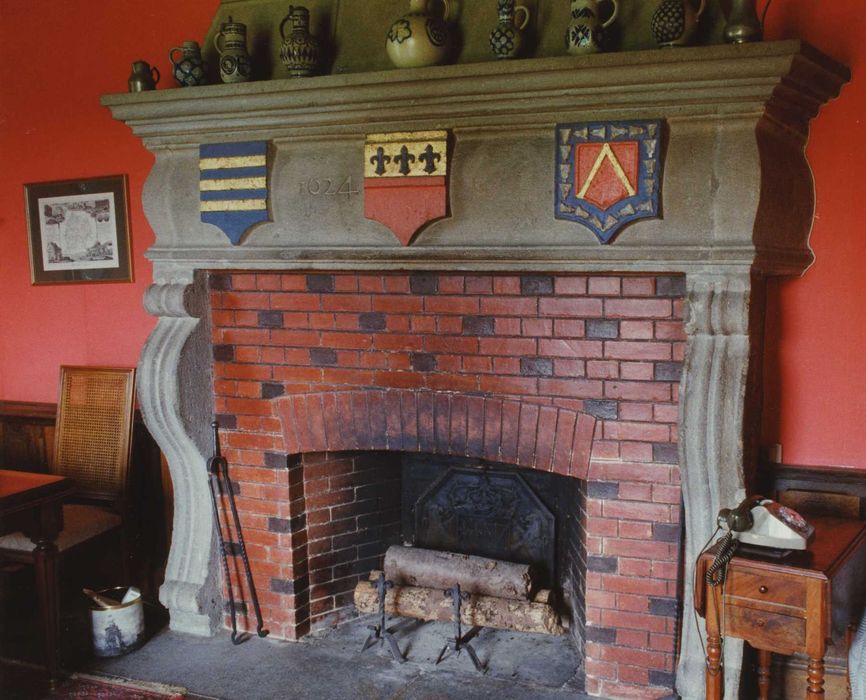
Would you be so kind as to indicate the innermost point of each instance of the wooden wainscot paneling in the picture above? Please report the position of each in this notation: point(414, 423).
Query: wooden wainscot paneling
point(26, 435)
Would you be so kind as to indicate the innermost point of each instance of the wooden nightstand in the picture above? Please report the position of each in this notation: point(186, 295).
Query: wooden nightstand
point(786, 605)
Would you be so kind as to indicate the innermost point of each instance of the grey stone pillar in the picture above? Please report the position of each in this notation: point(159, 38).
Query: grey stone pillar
point(170, 404)
point(720, 398)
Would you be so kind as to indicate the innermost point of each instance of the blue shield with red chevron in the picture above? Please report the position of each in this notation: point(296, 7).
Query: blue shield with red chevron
point(233, 186)
point(608, 174)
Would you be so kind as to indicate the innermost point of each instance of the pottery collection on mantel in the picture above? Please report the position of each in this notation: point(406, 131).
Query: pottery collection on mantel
point(424, 36)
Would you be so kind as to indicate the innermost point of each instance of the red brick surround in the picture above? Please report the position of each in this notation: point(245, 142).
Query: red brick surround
point(300, 358)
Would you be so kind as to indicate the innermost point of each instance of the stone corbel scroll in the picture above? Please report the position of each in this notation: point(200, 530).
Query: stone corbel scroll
point(191, 588)
point(720, 384)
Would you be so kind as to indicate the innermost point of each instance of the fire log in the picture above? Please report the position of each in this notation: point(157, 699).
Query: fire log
point(414, 566)
point(484, 611)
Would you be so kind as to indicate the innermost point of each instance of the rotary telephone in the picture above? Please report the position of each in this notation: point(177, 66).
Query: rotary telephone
point(757, 521)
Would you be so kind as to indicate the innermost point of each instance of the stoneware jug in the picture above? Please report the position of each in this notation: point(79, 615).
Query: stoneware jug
point(506, 39)
point(143, 77)
point(421, 37)
point(675, 22)
point(585, 33)
point(231, 45)
point(189, 69)
point(301, 52)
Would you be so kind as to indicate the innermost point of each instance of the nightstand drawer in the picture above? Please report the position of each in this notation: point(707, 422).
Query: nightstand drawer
point(765, 630)
point(762, 588)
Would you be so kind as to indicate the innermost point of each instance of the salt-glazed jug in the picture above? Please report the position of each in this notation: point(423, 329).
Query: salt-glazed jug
point(143, 77)
point(189, 69)
point(301, 52)
point(231, 45)
point(421, 37)
point(506, 39)
point(675, 22)
point(585, 33)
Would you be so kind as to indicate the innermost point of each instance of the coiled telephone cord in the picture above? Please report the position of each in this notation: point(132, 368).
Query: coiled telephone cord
point(717, 571)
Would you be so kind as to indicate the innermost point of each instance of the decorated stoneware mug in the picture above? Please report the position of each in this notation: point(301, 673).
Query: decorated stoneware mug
point(300, 52)
point(585, 33)
point(231, 45)
point(189, 68)
point(506, 39)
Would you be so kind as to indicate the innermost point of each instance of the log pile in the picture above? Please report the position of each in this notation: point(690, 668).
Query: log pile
point(503, 594)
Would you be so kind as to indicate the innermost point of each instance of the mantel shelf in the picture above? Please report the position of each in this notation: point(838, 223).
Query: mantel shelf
point(790, 78)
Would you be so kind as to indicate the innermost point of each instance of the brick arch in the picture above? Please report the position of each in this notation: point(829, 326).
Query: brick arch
point(544, 437)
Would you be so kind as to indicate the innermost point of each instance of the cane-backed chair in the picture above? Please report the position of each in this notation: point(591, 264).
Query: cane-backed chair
point(92, 445)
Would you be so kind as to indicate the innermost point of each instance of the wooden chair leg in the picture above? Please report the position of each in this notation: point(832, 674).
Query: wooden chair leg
point(815, 689)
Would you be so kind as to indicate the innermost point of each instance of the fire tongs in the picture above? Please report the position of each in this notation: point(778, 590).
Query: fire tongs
point(460, 641)
point(220, 485)
point(380, 632)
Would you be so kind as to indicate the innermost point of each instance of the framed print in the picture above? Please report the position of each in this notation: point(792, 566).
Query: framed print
point(79, 230)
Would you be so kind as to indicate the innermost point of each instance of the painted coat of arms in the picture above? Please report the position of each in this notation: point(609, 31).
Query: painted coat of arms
point(233, 186)
point(607, 174)
point(405, 184)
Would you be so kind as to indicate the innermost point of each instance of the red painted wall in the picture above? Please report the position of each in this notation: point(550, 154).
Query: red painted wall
point(63, 54)
point(60, 56)
point(815, 399)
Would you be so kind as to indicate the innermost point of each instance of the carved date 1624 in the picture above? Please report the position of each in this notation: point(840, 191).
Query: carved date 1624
point(328, 187)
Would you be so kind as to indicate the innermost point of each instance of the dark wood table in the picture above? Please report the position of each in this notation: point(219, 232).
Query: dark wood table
point(788, 605)
point(33, 504)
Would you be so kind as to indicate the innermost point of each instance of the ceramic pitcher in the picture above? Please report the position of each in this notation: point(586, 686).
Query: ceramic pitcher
point(506, 39)
point(231, 45)
point(585, 33)
point(189, 69)
point(301, 52)
point(675, 22)
point(421, 37)
point(143, 77)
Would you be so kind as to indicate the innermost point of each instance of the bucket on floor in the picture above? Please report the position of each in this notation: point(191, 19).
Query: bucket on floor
point(117, 629)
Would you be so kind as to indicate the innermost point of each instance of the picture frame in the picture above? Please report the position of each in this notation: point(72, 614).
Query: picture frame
point(78, 230)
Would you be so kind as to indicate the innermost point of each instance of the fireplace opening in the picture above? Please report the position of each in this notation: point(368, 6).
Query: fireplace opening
point(358, 504)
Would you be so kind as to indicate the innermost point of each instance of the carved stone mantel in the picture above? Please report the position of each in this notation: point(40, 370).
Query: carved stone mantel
point(737, 205)
point(719, 207)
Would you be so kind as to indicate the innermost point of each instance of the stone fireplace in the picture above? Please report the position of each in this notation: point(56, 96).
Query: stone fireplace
point(501, 338)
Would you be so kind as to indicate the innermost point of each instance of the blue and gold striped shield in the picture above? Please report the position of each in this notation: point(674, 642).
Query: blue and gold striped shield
point(234, 186)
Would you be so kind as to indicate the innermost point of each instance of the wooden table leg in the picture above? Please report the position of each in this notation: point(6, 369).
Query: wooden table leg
point(764, 660)
point(815, 689)
point(44, 557)
point(714, 645)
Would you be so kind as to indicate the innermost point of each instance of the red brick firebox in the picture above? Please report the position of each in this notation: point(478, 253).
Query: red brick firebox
point(567, 373)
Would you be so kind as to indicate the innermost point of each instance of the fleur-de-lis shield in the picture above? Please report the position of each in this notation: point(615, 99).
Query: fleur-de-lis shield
point(405, 184)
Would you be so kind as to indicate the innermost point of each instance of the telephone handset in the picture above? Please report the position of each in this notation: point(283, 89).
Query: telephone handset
point(757, 521)
point(765, 523)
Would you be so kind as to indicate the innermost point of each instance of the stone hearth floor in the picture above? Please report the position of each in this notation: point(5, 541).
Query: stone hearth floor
point(327, 666)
